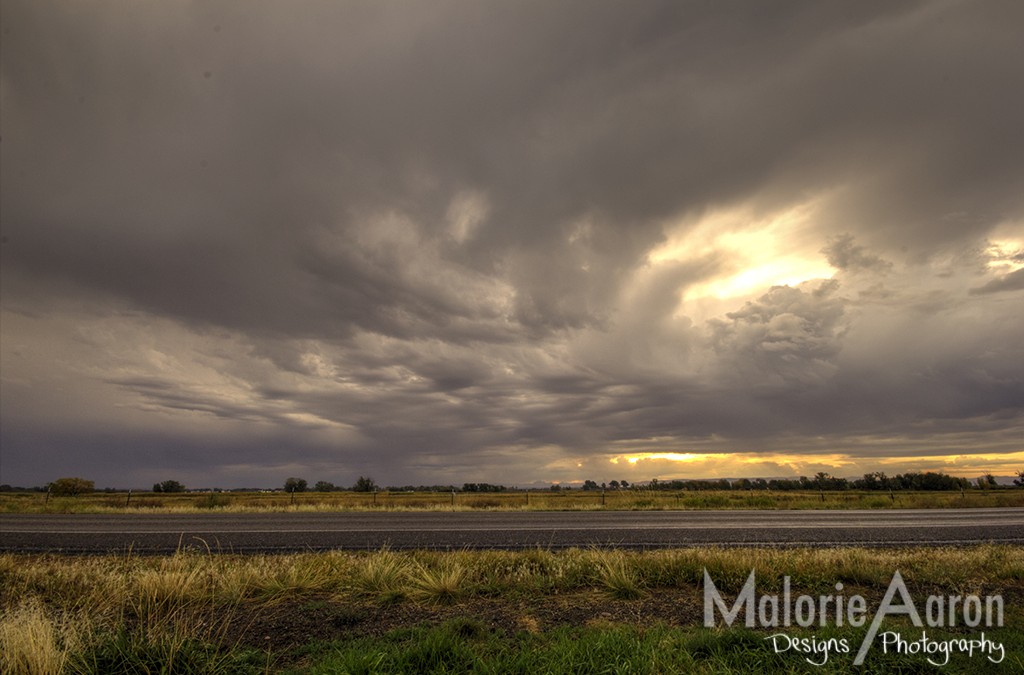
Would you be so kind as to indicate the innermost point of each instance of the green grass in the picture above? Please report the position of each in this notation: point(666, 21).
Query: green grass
point(126, 652)
point(463, 646)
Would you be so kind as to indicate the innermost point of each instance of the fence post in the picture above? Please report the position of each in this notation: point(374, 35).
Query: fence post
point(602, 496)
point(129, 500)
point(47, 500)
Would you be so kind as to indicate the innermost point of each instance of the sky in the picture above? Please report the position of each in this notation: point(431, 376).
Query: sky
point(509, 242)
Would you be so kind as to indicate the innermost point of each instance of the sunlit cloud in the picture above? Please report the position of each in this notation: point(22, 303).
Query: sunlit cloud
point(1006, 255)
point(716, 464)
point(762, 251)
point(671, 456)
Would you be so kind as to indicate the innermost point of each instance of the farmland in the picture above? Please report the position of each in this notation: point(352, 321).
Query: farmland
point(537, 500)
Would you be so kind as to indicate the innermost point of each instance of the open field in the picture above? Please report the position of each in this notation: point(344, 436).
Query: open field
point(240, 502)
point(537, 611)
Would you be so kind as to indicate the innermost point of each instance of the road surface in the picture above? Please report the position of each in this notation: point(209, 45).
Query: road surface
point(269, 532)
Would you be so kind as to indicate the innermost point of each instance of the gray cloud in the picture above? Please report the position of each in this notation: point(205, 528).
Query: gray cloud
point(843, 254)
point(421, 235)
point(1014, 281)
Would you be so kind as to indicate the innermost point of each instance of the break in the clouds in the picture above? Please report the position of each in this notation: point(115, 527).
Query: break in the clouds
point(510, 242)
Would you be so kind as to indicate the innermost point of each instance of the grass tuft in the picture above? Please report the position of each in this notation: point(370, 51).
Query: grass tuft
point(383, 576)
point(33, 644)
point(441, 583)
point(617, 573)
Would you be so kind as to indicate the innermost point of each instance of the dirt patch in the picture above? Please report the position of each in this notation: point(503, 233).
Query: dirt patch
point(286, 625)
point(290, 624)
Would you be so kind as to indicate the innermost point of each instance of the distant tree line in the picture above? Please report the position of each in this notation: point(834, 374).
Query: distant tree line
point(589, 485)
point(928, 480)
point(482, 487)
point(877, 480)
point(421, 488)
point(362, 484)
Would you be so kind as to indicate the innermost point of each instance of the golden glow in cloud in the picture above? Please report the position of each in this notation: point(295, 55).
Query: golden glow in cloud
point(695, 465)
point(760, 251)
point(672, 456)
point(739, 464)
point(1004, 254)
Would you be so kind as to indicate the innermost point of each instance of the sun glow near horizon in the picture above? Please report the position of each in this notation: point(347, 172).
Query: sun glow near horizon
point(722, 463)
point(666, 465)
point(672, 456)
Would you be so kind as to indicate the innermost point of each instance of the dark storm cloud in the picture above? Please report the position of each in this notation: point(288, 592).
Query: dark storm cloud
point(134, 172)
point(427, 228)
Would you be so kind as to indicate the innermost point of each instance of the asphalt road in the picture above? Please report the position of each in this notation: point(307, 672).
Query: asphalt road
point(267, 532)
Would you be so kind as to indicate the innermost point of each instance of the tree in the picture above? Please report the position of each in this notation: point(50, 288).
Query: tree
point(876, 480)
point(295, 485)
point(71, 487)
point(168, 486)
point(1019, 480)
point(324, 486)
point(589, 485)
point(364, 484)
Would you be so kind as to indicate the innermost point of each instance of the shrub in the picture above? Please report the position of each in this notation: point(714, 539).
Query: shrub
point(71, 487)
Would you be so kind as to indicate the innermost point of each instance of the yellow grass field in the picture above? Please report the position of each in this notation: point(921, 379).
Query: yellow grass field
point(100, 502)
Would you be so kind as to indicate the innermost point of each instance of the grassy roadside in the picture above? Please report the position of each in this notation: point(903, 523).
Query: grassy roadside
point(626, 500)
point(482, 611)
point(463, 646)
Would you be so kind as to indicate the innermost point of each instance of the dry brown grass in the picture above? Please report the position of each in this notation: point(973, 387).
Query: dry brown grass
point(566, 500)
point(32, 642)
point(440, 583)
point(51, 606)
